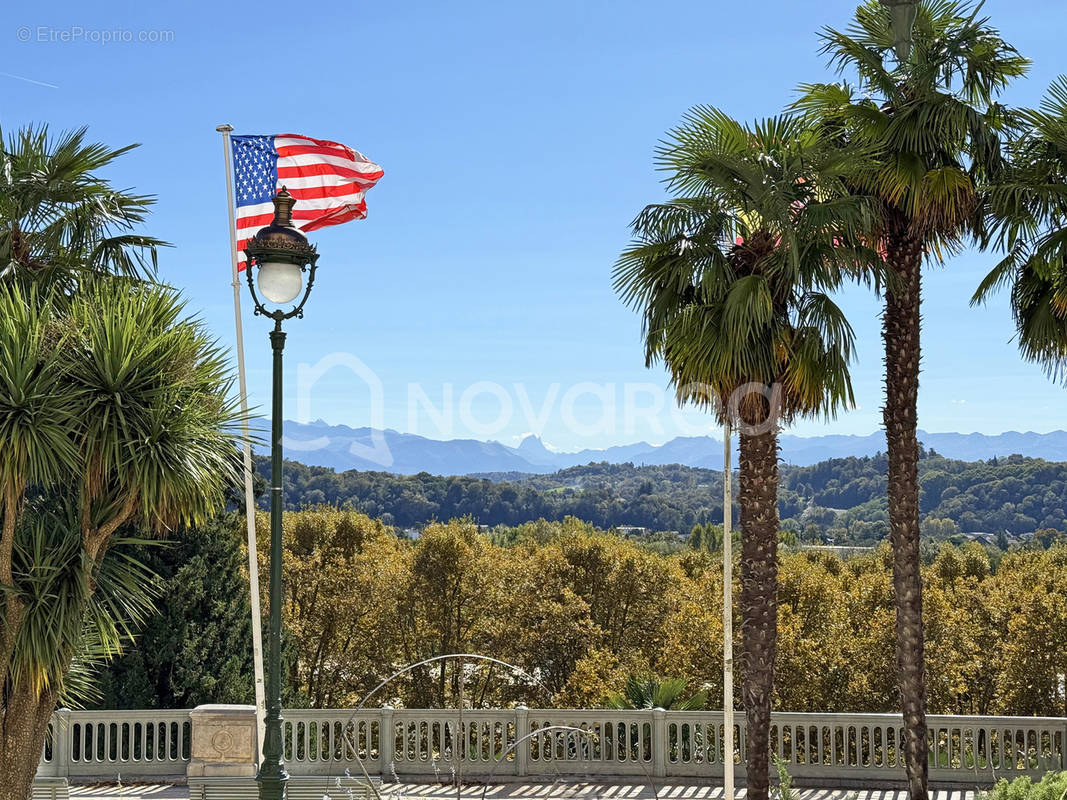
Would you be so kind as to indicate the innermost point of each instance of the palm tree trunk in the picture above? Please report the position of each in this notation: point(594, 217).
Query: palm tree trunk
point(758, 499)
point(900, 330)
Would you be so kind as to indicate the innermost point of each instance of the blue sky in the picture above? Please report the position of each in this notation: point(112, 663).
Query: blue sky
point(517, 143)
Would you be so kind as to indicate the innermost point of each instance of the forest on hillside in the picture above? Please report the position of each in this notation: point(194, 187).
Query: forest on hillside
point(843, 499)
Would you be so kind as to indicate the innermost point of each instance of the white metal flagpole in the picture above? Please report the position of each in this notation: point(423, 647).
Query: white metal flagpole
point(727, 622)
point(250, 500)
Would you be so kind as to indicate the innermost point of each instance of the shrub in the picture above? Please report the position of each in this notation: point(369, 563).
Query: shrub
point(1051, 787)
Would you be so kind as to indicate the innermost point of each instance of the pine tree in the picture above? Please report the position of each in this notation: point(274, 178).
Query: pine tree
point(198, 648)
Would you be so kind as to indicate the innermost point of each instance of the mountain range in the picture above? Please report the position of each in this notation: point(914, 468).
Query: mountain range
point(342, 448)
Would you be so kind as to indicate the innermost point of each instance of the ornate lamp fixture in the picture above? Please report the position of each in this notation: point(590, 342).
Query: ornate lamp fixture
point(280, 254)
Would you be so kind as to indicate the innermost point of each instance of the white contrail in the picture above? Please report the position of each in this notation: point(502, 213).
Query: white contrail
point(28, 80)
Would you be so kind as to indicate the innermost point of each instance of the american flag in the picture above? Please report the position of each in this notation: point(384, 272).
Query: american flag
point(328, 181)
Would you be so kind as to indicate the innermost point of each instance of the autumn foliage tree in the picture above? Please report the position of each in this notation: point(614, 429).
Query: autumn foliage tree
point(581, 611)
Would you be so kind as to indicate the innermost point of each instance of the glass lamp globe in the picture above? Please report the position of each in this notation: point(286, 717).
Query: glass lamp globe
point(279, 281)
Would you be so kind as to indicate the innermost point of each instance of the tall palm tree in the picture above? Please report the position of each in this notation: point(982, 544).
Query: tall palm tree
point(935, 131)
point(1028, 220)
point(730, 276)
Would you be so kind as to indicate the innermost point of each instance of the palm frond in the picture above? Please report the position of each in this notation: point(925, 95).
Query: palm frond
point(57, 215)
point(646, 692)
point(1026, 216)
point(763, 216)
point(156, 422)
point(932, 126)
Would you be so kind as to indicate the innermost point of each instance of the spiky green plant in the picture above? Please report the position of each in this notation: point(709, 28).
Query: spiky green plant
point(785, 780)
point(645, 691)
point(115, 410)
point(75, 616)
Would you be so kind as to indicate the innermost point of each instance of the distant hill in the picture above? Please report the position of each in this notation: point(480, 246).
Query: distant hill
point(342, 448)
point(841, 498)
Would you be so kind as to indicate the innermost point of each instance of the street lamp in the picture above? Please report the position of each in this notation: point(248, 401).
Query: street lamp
point(902, 15)
point(279, 254)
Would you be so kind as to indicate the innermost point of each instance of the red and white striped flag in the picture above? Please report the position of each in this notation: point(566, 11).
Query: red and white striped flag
point(328, 181)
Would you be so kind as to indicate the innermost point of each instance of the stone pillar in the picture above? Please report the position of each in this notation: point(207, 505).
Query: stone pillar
point(522, 749)
point(386, 742)
point(224, 742)
point(659, 742)
point(61, 741)
point(50, 769)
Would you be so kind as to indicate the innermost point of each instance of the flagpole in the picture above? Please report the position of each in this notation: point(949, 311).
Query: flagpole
point(250, 501)
point(727, 621)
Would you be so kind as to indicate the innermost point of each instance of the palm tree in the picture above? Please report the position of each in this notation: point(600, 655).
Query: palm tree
point(645, 691)
point(730, 276)
point(1028, 220)
point(114, 412)
point(59, 219)
point(934, 130)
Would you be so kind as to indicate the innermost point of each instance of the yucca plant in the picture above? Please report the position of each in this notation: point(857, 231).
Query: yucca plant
point(731, 277)
point(75, 617)
point(115, 410)
point(934, 131)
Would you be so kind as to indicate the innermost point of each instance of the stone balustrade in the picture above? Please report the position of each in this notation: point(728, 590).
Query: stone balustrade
point(213, 746)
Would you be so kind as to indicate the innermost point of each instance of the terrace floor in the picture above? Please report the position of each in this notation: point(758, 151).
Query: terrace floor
point(570, 790)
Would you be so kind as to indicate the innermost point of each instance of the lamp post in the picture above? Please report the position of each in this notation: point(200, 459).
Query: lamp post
point(902, 15)
point(279, 254)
